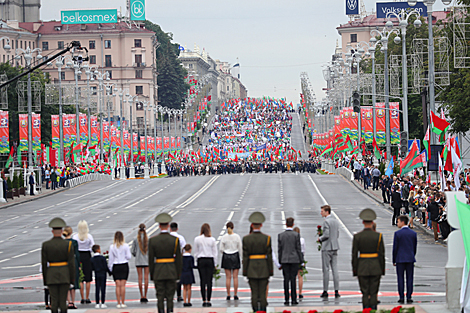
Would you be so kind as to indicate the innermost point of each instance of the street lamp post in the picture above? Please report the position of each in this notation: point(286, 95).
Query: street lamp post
point(122, 170)
point(89, 75)
point(146, 166)
point(100, 76)
point(59, 63)
point(155, 123)
point(131, 100)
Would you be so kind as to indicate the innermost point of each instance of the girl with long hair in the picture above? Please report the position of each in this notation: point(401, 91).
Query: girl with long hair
point(85, 243)
point(76, 284)
point(230, 247)
point(118, 263)
point(205, 252)
point(140, 252)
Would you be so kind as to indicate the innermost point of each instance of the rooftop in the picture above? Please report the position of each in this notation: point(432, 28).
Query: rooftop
point(54, 27)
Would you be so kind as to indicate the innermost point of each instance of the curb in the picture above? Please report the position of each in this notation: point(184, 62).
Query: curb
point(6, 206)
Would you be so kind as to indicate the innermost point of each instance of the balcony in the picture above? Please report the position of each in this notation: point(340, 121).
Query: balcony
point(139, 64)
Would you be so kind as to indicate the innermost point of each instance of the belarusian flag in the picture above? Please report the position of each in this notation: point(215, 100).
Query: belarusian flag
point(413, 160)
point(426, 140)
point(447, 156)
point(355, 150)
point(438, 125)
point(376, 149)
point(328, 148)
point(10, 158)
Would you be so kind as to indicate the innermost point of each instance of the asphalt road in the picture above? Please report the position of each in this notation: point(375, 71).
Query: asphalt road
point(122, 205)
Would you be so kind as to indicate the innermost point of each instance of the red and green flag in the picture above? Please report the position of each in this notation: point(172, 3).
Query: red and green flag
point(426, 142)
point(413, 160)
point(10, 157)
point(376, 148)
point(327, 149)
point(438, 125)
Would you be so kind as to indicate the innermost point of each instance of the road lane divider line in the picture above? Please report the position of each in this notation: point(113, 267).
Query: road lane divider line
point(283, 218)
point(332, 212)
point(224, 229)
point(156, 226)
point(198, 193)
point(20, 266)
point(87, 194)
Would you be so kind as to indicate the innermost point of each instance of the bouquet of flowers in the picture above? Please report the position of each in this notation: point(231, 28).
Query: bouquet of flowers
point(106, 255)
point(216, 274)
point(303, 270)
point(319, 233)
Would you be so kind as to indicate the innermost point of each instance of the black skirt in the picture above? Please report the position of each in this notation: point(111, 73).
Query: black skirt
point(231, 261)
point(121, 271)
point(85, 257)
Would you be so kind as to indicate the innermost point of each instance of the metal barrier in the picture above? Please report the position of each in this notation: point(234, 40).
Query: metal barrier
point(73, 182)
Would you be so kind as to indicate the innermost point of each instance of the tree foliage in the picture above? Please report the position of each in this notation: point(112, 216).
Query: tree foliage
point(171, 84)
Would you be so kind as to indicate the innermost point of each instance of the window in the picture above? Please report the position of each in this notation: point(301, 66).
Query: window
point(62, 75)
point(138, 43)
point(138, 59)
point(93, 90)
point(139, 106)
point(139, 90)
point(92, 59)
point(33, 45)
point(107, 61)
point(228, 88)
point(60, 45)
point(138, 73)
point(45, 46)
point(91, 44)
point(79, 76)
point(140, 121)
point(21, 44)
point(110, 74)
point(190, 66)
point(107, 44)
point(353, 38)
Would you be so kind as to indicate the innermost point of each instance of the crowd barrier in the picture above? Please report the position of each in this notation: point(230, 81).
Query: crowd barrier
point(346, 172)
point(328, 167)
point(73, 182)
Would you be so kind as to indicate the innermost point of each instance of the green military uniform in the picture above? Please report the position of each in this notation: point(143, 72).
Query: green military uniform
point(368, 260)
point(58, 267)
point(165, 264)
point(257, 263)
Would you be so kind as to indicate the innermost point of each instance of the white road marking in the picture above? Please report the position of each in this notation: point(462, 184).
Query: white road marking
point(4, 260)
point(22, 266)
point(332, 212)
point(11, 237)
point(198, 193)
point(87, 194)
point(283, 218)
point(135, 203)
point(224, 229)
point(34, 250)
point(19, 255)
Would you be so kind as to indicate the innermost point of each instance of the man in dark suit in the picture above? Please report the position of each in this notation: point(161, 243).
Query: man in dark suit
point(404, 251)
point(396, 204)
point(290, 257)
point(165, 263)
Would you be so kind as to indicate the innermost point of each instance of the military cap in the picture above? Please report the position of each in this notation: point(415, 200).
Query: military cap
point(57, 222)
point(367, 215)
point(257, 218)
point(163, 218)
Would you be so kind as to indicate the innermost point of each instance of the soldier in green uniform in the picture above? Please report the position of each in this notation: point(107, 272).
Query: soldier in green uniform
point(257, 262)
point(165, 263)
point(58, 266)
point(368, 259)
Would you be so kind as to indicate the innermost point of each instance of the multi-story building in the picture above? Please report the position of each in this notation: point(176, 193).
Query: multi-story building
point(125, 51)
point(20, 10)
point(19, 38)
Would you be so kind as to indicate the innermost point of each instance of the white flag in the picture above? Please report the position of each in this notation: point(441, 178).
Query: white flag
point(457, 167)
point(441, 175)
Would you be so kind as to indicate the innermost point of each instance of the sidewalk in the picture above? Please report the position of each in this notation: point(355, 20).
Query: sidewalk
point(22, 199)
point(377, 196)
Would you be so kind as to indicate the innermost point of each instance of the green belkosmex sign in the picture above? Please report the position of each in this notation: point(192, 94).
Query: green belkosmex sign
point(137, 10)
point(89, 16)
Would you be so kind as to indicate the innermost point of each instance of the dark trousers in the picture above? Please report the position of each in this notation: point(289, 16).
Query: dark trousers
point(59, 297)
point(385, 195)
point(375, 184)
point(401, 269)
point(100, 287)
point(289, 271)
point(165, 290)
point(258, 288)
point(396, 213)
point(178, 289)
point(31, 189)
point(205, 266)
point(369, 286)
point(366, 182)
point(406, 206)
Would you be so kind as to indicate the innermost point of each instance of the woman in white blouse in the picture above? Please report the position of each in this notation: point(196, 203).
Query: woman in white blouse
point(205, 252)
point(230, 247)
point(118, 263)
point(85, 243)
point(302, 249)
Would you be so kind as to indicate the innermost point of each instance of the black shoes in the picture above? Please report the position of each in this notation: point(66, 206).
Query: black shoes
point(401, 301)
point(143, 300)
point(235, 297)
point(409, 301)
point(295, 302)
point(324, 294)
point(88, 301)
point(228, 298)
point(301, 296)
point(206, 304)
point(286, 303)
point(179, 299)
point(337, 295)
point(82, 301)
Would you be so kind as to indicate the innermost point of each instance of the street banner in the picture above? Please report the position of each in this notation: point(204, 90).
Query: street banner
point(69, 129)
point(178, 142)
point(394, 123)
point(135, 142)
point(127, 142)
point(380, 123)
point(166, 143)
point(23, 118)
point(150, 145)
point(367, 124)
point(105, 136)
point(95, 131)
point(331, 134)
point(337, 125)
point(83, 129)
point(142, 145)
point(36, 121)
point(383, 8)
point(115, 137)
point(173, 144)
point(55, 131)
point(353, 125)
point(159, 144)
point(4, 132)
point(347, 121)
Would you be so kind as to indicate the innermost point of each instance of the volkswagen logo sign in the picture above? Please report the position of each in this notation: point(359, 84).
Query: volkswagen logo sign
point(352, 4)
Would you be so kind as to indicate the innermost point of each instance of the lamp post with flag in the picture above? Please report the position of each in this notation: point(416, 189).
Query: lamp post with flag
point(131, 100)
point(146, 165)
point(100, 77)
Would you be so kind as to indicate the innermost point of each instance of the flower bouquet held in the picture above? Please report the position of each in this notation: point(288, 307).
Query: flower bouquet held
point(216, 274)
point(319, 233)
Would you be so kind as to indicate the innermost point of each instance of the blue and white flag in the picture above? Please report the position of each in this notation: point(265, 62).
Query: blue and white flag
point(390, 167)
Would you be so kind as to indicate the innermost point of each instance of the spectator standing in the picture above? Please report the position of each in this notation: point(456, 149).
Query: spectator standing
point(299, 276)
point(85, 243)
point(230, 247)
point(376, 177)
point(47, 176)
point(396, 204)
point(76, 283)
point(205, 252)
point(99, 266)
point(140, 252)
point(433, 209)
point(187, 274)
point(182, 241)
point(53, 179)
point(118, 263)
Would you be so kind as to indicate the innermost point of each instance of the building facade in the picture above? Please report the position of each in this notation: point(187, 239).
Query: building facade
point(20, 10)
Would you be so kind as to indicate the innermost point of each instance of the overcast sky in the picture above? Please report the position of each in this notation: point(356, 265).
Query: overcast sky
point(274, 40)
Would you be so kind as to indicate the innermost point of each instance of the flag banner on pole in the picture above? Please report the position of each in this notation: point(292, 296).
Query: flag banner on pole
point(347, 122)
point(394, 123)
point(83, 129)
point(178, 142)
point(55, 131)
point(69, 129)
point(342, 124)
point(10, 157)
point(36, 121)
point(337, 125)
point(367, 124)
point(127, 142)
point(426, 141)
point(438, 125)
point(105, 138)
point(390, 167)
point(380, 123)
point(159, 143)
point(412, 160)
point(166, 143)
point(353, 122)
point(4, 132)
point(150, 145)
point(115, 139)
point(95, 131)
point(142, 144)
point(135, 142)
point(23, 118)
point(173, 144)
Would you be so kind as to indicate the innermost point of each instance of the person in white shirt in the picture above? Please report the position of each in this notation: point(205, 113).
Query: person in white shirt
point(85, 243)
point(230, 246)
point(174, 232)
point(118, 263)
point(299, 276)
point(205, 252)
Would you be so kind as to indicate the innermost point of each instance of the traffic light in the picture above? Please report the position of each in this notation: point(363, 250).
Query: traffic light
point(356, 102)
point(403, 144)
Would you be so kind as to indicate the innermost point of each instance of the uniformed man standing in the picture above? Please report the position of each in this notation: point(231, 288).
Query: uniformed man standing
point(58, 266)
point(257, 262)
point(368, 259)
point(165, 263)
